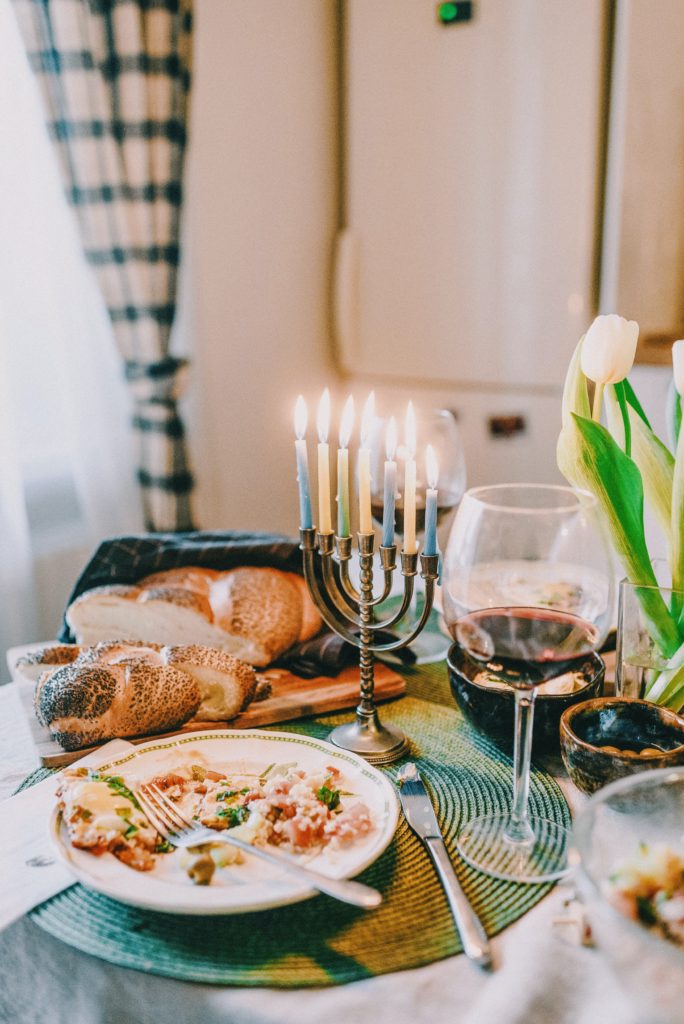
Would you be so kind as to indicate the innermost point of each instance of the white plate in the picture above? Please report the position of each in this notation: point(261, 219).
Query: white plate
point(252, 885)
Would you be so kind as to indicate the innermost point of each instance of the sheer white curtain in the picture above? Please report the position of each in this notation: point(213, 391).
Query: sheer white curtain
point(66, 471)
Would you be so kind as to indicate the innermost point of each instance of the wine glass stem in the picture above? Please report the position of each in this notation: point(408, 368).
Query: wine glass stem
point(519, 830)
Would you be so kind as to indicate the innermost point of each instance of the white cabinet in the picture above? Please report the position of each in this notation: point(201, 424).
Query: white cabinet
point(472, 162)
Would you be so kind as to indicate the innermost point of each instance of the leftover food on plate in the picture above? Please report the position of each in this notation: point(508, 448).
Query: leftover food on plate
point(282, 805)
point(254, 613)
point(649, 887)
point(118, 689)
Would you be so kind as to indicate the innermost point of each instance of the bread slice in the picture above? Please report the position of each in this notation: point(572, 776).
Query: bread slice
point(312, 623)
point(164, 615)
point(227, 685)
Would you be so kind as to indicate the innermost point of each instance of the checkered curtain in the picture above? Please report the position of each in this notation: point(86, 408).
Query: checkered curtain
point(115, 75)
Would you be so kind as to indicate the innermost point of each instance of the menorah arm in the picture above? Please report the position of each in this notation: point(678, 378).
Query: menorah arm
point(388, 559)
point(404, 641)
point(329, 612)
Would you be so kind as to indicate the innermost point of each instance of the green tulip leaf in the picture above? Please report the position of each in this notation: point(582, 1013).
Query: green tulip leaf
point(634, 401)
point(619, 393)
point(589, 457)
point(678, 517)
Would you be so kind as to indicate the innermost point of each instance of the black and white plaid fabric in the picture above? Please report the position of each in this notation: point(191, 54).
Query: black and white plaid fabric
point(115, 75)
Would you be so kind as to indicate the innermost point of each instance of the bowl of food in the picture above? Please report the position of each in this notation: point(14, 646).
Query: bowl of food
point(488, 702)
point(610, 737)
point(629, 844)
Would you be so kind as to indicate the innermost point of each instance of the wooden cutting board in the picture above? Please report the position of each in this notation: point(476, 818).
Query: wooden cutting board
point(291, 698)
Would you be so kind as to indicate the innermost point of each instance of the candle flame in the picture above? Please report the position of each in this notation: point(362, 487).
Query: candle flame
point(367, 420)
point(410, 430)
point(300, 418)
point(391, 439)
point(431, 467)
point(323, 417)
point(347, 422)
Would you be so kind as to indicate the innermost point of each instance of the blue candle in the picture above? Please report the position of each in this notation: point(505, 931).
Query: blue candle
point(390, 484)
point(432, 472)
point(305, 513)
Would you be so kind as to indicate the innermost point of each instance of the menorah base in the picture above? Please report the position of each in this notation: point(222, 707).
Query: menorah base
point(370, 739)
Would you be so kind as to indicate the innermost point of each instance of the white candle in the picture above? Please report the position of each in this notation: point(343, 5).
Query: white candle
point(365, 518)
point(390, 484)
point(323, 424)
point(300, 418)
point(346, 424)
point(410, 546)
point(431, 474)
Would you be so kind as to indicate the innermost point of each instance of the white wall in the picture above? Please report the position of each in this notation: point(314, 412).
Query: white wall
point(260, 213)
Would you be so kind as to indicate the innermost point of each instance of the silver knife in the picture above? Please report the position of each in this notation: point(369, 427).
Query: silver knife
point(421, 817)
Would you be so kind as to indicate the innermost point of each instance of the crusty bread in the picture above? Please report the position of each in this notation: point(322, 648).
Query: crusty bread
point(311, 619)
point(86, 704)
point(260, 606)
point(255, 614)
point(123, 689)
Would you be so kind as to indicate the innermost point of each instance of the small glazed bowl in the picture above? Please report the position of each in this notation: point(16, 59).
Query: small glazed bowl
point(620, 723)
point(491, 709)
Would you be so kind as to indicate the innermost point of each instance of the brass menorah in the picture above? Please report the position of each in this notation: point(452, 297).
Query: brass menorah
point(351, 613)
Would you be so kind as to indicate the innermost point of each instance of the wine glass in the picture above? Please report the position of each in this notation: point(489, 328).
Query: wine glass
point(528, 591)
point(437, 427)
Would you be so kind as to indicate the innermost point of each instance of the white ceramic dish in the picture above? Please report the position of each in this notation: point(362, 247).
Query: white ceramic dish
point(251, 885)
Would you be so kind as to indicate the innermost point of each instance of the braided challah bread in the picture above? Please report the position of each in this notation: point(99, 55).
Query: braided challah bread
point(127, 689)
point(253, 613)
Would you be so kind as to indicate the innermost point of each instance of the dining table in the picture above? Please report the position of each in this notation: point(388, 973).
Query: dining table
point(541, 974)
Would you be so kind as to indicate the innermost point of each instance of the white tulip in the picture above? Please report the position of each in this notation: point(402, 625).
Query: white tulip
point(678, 365)
point(609, 349)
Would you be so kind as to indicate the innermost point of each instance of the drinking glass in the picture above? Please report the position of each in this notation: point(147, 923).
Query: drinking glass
point(439, 428)
point(528, 592)
point(644, 666)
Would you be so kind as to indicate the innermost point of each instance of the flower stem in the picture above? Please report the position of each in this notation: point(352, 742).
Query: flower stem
point(598, 395)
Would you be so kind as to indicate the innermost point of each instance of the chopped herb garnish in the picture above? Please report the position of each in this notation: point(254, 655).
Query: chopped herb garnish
point(329, 797)
point(267, 771)
point(86, 815)
point(233, 815)
point(117, 784)
point(646, 910)
point(130, 831)
point(226, 794)
point(163, 846)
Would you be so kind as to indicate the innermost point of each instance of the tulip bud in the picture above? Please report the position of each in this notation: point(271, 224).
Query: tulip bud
point(609, 349)
point(678, 365)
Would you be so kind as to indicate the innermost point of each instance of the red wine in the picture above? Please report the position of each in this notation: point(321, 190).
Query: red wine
point(445, 505)
point(525, 646)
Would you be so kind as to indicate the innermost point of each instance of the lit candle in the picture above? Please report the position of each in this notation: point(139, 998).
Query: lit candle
point(431, 473)
point(365, 520)
point(323, 424)
point(410, 546)
point(390, 483)
point(300, 417)
point(346, 424)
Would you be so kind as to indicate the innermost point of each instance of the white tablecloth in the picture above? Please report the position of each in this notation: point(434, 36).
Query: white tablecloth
point(539, 978)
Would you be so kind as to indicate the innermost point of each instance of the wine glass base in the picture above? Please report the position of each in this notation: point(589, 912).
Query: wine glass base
point(484, 844)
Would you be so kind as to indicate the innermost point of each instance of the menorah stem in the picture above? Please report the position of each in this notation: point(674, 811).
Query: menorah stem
point(367, 736)
point(367, 704)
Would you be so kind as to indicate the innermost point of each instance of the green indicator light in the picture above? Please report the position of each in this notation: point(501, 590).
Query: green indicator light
point(452, 13)
point(447, 12)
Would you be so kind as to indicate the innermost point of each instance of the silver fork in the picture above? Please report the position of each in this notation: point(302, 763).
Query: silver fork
point(180, 831)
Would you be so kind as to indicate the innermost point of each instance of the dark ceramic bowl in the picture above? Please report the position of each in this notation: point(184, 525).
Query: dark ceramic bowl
point(491, 709)
point(628, 725)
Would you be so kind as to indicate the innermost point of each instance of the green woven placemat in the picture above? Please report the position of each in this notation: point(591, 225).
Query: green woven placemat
point(322, 942)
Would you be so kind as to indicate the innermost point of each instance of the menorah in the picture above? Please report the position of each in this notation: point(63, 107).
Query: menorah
point(351, 613)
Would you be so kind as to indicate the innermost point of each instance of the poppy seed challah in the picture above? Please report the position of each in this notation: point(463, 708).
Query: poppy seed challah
point(253, 613)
